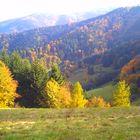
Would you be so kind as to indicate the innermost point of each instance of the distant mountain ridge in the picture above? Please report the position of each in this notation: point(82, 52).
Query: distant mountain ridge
point(43, 20)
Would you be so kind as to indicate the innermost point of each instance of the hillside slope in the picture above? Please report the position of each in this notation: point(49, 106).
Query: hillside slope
point(109, 41)
point(86, 38)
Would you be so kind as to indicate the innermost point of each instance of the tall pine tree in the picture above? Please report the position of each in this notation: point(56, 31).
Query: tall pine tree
point(38, 77)
point(56, 74)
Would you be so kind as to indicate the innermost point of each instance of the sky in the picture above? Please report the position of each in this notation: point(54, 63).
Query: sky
point(18, 8)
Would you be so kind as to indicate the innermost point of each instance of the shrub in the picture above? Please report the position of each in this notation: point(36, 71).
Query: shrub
point(97, 102)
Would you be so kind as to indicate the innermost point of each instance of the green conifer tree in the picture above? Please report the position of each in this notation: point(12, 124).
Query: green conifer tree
point(5, 57)
point(37, 77)
point(56, 75)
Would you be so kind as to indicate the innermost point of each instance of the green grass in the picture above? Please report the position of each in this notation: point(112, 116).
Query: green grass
point(106, 91)
point(70, 124)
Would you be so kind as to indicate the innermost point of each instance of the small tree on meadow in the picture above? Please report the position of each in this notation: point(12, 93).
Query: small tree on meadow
point(121, 96)
point(78, 99)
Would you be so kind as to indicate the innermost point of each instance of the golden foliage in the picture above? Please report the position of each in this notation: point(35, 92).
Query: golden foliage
point(7, 87)
point(97, 102)
point(121, 96)
point(57, 96)
point(65, 94)
point(52, 90)
point(78, 99)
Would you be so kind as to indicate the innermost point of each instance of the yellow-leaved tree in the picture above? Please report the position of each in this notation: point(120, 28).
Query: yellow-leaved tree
point(7, 87)
point(52, 90)
point(78, 99)
point(65, 94)
point(121, 96)
point(58, 96)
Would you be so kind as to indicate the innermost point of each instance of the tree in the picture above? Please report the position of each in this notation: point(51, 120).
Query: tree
point(7, 87)
point(57, 96)
point(21, 69)
point(52, 94)
point(121, 96)
point(56, 74)
point(5, 57)
point(65, 93)
point(31, 78)
point(78, 99)
point(16, 63)
point(38, 77)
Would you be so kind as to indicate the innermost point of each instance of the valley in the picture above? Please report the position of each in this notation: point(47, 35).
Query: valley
point(70, 75)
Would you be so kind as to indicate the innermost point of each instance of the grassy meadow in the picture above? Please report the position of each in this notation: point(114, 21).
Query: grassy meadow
point(70, 124)
point(105, 91)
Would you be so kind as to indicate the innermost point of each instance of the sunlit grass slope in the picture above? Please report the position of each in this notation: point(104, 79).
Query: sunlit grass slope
point(106, 91)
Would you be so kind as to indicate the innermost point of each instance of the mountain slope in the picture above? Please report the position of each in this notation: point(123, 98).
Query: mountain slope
point(86, 38)
point(110, 40)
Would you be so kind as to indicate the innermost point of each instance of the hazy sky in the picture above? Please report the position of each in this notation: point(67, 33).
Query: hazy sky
point(18, 8)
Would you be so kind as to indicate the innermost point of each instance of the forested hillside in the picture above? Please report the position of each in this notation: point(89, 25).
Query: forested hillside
point(96, 48)
point(86, 38)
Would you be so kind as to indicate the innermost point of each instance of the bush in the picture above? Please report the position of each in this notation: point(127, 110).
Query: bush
point(97, 102)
